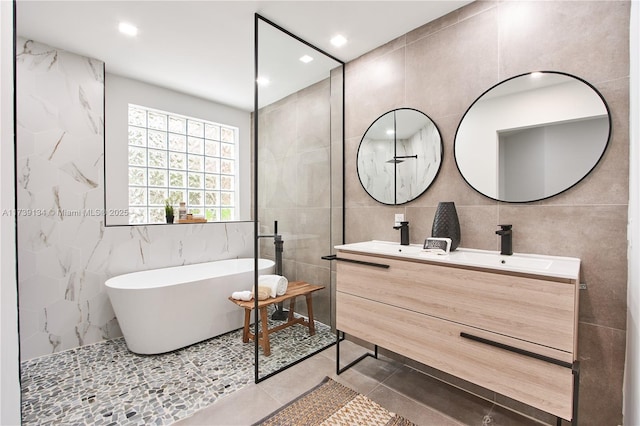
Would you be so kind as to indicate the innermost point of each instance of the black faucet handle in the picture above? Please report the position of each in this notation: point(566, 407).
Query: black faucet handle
point(505, 227)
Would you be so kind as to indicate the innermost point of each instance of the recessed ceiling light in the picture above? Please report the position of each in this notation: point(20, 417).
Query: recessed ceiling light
point(128, 29)
point(306, 59)
point(338, 40)
point(262, 81)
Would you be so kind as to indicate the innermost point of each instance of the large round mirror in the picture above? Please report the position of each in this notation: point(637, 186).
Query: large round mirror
point(399, 156)
point(532, 136)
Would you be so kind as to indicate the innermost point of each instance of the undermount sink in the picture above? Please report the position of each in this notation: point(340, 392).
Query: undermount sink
point(515, 260)
point(388, 247)
point(555, 266)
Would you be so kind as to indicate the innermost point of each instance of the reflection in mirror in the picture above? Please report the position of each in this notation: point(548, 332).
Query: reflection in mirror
point(399, 156)
point(298, 126)
point(532, 136)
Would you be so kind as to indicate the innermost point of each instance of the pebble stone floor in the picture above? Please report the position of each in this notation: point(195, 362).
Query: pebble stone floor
point(105, 384)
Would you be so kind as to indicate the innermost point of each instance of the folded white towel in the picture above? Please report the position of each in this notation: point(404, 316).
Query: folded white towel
point(277, 283)
point(242, 295)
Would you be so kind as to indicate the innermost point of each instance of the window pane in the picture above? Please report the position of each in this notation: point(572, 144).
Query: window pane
point(157, 215)
point(137, 116)
point(211, 165)
point(176, 197)
point(196, 212)
point(227, 167)
point(177, 160)
point(228, 150)
point(137, 196)
point(195, 128)
point(137, 215)
point(157, 121)
point(195, 146)
point(157, 158)
point(211, 148)
point(137, 136)
point(195, 198)
point(137, 156)
point(177, 125)
point(177, 142)
point(212, 132)
point(211, 198)
point(195, 163)
point(196, 180)
point(227, 135)
point(157, 197)
point(137, 176)
point(226, 198)
point(211, 182)
point(226, 214)
point(212, 215)
point(157, 177)
point(177, 179)
point(157, 139)
point(227, 183)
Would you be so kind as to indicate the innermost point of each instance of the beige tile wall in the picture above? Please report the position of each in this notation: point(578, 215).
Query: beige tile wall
point(440, 69)
point(294, 187)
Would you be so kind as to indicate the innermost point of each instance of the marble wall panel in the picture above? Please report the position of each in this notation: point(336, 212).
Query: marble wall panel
point(441, 68)
point(65, 253)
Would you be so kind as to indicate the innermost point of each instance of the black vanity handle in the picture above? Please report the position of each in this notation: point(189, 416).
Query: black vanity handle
point(517, 350)
point(360, 262)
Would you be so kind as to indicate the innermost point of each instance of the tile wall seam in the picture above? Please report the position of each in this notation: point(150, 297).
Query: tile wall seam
point(602, 326)
point(458, 21)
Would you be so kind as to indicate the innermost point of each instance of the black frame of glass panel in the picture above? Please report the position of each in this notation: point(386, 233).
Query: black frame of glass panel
point(257, 19)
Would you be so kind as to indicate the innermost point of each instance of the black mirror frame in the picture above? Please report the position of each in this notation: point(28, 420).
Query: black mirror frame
point(395, 203)
point(604, 150)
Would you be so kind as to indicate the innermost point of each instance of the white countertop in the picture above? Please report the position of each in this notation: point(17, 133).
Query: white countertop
point(551, 266)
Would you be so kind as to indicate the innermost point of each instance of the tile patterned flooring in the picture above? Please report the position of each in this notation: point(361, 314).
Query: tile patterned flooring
point(105, 384)
point(211, 384)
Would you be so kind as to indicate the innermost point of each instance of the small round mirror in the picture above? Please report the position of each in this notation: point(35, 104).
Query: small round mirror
point(399, 156)
point(532, 136)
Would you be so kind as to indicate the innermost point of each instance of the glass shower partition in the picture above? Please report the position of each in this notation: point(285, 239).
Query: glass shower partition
point(298, 191)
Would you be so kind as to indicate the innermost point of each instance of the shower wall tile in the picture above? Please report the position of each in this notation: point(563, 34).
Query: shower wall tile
point(385, 76)
point(65, 253)
point(448, 63)
point(574, 37)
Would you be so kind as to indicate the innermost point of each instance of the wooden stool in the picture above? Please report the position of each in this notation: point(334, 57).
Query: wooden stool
point(294, 289)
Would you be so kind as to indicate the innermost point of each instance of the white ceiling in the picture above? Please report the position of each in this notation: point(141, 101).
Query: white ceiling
point(205, 48)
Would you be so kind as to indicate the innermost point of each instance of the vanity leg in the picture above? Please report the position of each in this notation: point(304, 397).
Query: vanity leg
point(351, 364)
point(576, 387)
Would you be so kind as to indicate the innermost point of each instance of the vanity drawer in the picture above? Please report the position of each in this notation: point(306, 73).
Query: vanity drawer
point(437, 343)
point(534, 310)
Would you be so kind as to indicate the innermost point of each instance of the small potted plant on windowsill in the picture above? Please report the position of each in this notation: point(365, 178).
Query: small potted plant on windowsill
point(168, 211)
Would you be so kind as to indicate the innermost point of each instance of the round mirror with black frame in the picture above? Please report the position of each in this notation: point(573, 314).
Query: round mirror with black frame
point(399, 156)
point(532, 136)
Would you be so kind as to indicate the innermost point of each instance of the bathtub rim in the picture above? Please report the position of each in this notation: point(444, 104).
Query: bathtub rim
point(128, 281)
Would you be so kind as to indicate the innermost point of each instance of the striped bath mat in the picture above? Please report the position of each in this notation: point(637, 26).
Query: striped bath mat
point(331, 403)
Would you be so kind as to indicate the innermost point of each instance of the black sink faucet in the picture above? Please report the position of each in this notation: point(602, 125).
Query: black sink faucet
point(506, 243)
point(404, 233)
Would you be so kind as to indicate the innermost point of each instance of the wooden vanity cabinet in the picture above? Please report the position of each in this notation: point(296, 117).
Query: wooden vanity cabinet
point(514, 334)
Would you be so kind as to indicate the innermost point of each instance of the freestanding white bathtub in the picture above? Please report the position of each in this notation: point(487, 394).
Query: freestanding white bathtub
point(161, 310)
